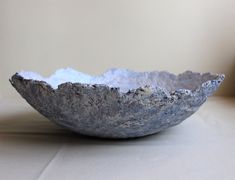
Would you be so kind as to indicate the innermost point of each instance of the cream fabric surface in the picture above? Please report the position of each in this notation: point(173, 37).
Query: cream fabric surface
point(202, 147)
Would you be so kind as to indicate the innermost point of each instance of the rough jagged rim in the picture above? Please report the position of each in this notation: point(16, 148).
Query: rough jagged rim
point(218, 79)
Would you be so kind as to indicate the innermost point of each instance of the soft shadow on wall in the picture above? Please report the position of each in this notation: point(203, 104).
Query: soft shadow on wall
point(228, 86)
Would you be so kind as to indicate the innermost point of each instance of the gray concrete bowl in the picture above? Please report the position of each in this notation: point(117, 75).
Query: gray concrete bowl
point(119, 103)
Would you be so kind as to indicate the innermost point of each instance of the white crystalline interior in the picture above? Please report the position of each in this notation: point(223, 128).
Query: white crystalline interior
point(112, 78)
point(125, 79)
point(59, 77)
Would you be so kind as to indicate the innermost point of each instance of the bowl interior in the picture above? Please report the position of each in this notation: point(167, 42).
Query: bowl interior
point(125, 79)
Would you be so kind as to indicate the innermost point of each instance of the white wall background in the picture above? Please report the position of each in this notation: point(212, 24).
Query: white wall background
point(93, 35)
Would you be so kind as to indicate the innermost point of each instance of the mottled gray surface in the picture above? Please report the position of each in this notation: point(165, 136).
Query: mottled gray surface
point(129, 104)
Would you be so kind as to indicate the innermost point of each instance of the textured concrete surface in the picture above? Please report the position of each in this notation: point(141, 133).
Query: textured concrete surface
point(129, 104)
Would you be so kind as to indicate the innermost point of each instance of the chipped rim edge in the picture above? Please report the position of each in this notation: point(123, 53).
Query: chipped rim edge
point(205, 85)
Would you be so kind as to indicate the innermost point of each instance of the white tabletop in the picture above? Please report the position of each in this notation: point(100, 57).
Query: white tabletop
point(202, 147)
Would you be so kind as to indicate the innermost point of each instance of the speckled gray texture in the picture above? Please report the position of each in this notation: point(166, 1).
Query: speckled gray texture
point(158, 100)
